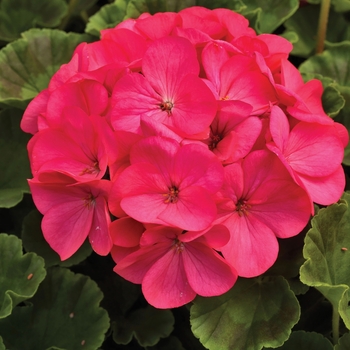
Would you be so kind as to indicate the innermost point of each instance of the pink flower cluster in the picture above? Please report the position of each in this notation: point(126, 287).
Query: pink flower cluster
point(198, 136)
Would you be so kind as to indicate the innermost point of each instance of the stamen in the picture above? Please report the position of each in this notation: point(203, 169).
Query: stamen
point(242, 207)
point(213, 141)
point(178, 246)
point(172, 195)
point(89, 201)
point(94, 169)
point(167, 106)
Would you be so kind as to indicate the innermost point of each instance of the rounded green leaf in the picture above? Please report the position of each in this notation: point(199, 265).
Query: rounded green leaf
point(343, 343)
point(307, 341)
point(64, 314)
point(333, 63)
point(34, 241)
point(235, 5)
point(2, 346)
point(170, 343)
point(327, 250)
point(14, 164)
point(17, 16)
point(27, 64)
point(254, 313)
point(304, 24)
point(20, 275)
point(270, 14)
point(147, 325)
point(112, 14)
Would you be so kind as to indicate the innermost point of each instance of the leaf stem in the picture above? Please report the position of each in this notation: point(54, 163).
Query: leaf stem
point(322, 25)
point(335, 325)
point(66, 19)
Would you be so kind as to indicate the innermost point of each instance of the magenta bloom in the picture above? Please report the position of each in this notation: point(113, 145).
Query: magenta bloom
point(173, 267)
point(169, 90)
point(72, 212)
point(163, 186)
point(233, 132)
point(76, 148)
point(312, 153)
point(259, 201)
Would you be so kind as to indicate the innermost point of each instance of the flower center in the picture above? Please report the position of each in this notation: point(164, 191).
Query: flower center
point(172, 195)
point(94, 169)
point(213, 141)
point(242, 207)
point(166, 107)
point(178, 246)
point(89, 201)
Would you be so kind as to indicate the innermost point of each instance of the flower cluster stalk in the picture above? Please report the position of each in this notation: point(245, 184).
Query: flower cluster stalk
point(322, 25)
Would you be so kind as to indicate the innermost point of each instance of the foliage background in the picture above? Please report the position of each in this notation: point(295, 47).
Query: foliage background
point(301, 302)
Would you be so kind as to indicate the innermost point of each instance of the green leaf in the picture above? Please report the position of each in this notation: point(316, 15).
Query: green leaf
point(235, 5)
point(27, 64)
point(268, 15)
point(307, 341)
point(64, 314)
point(333, 63)
point(337, 5)
point(328, 258)
point(77, 6)
point(34, 241)
point(170, 343)
point(14, 164)
point(20, 275)
point(112, 14)
point(147, 325)
point(17, 16)
point(304, 24)
point(254, 313)
point(343, 343)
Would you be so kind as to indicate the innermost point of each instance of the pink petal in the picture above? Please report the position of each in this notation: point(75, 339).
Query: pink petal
point(195, 210)
point(165, 284)
point(207, 272)
point(126, 232)
point(143, 191)
point(325, 190)
point(99, 236)
point(66, 225)
point(313, 149)
point(37, 106)
point(135, 265)
point(208, 172)
point(90, 96)
point(279, 127)
point(253, 247)
point(167, 61)
point(158, 26)
point(132, 97)
point(194, 106)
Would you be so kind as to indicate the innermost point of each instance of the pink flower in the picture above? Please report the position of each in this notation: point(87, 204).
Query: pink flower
point(76, 148)
point(259, 201)
point(163, 186)
point(312, 153)
point(174, 266)
point(169, 90)
point(233, 132)
point(240, 78)
point(72, 212)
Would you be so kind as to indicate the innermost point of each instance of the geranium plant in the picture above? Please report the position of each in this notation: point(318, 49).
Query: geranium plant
point(175, 175)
